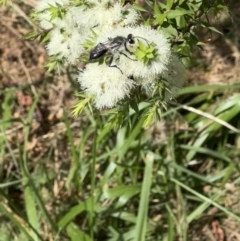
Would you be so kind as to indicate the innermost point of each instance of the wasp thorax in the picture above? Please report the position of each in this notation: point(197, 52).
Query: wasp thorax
point(132, 47)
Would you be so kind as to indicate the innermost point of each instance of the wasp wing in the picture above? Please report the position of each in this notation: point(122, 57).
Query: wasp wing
point(117, 43)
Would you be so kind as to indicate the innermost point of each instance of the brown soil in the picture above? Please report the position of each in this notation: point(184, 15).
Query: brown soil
point(22, 66)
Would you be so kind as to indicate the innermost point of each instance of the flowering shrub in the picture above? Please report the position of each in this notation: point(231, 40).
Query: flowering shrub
point(130, 53)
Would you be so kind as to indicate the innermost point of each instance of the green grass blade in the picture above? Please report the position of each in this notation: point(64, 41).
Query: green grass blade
point(5, 119)
point(137, 129)
point(144, 199)
point(172, 223)
point(208, 201)
point(75, 162)
point(29, 197)
point(18, 221)
point(76, 234)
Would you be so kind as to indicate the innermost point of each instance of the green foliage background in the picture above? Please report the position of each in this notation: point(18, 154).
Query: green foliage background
point(125, 183)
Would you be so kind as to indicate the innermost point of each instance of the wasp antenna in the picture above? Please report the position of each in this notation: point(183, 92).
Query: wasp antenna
point(143, 39)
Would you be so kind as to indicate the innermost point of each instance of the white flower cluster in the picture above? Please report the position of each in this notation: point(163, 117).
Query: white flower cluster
point(138, 69)
point(66, 33)
point(70, 24)
point(108, 85)
point(108, 14)
point(101, 80)
point(117, 36)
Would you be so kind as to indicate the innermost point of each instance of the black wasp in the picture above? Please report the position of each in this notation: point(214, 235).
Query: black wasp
point(114, 45)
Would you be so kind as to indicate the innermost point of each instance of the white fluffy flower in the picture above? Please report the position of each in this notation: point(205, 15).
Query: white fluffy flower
point(130, 18)
point(44, 20)
point(104, 16)
point(47, 23)
point(140, 71)
point(44, 15)
point(67, 35)
point(65, 45)
point(107, 84)
point(175, 76)
point(74, 17)
point(70, 20)
point(56, 42)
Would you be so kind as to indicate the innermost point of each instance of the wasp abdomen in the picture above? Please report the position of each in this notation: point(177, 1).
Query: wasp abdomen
point(98, 51)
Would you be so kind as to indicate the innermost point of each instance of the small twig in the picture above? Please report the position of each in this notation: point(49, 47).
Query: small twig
point(29, 79)
point(19, 36)
point(31, 3)
point(211, 117)
point(22, 14)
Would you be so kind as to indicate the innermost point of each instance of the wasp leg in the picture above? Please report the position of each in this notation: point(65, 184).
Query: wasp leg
point(127, 56)
point(115, 66)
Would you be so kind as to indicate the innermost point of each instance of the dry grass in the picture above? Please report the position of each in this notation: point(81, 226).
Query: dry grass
point(22, 66)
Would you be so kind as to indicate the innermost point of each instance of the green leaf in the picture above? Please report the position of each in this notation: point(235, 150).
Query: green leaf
point(145, 61)
point(51, 65)
point(193, 39)
point(160, 19)
point(79, 106)
point(150, 56)
point(134, 106)
point(180, 2)
point(156, 10)
point(207, 25)
point(169, 29)
point(181, 23)
point(56, 11)
point(30, 36)
point(215, 30)
point(139, 54)
point(142, 46)
point(3, 2)
point(44, 37)
point(138, 7)
point(149, 119)
point(76, 234)
point(77, 209)
point(185, 49)
point(177, 13)
point(151, 48)
point(150, 115)
point(169, 4)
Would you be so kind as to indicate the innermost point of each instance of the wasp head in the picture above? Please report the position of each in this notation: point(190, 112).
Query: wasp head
point(130, 39)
